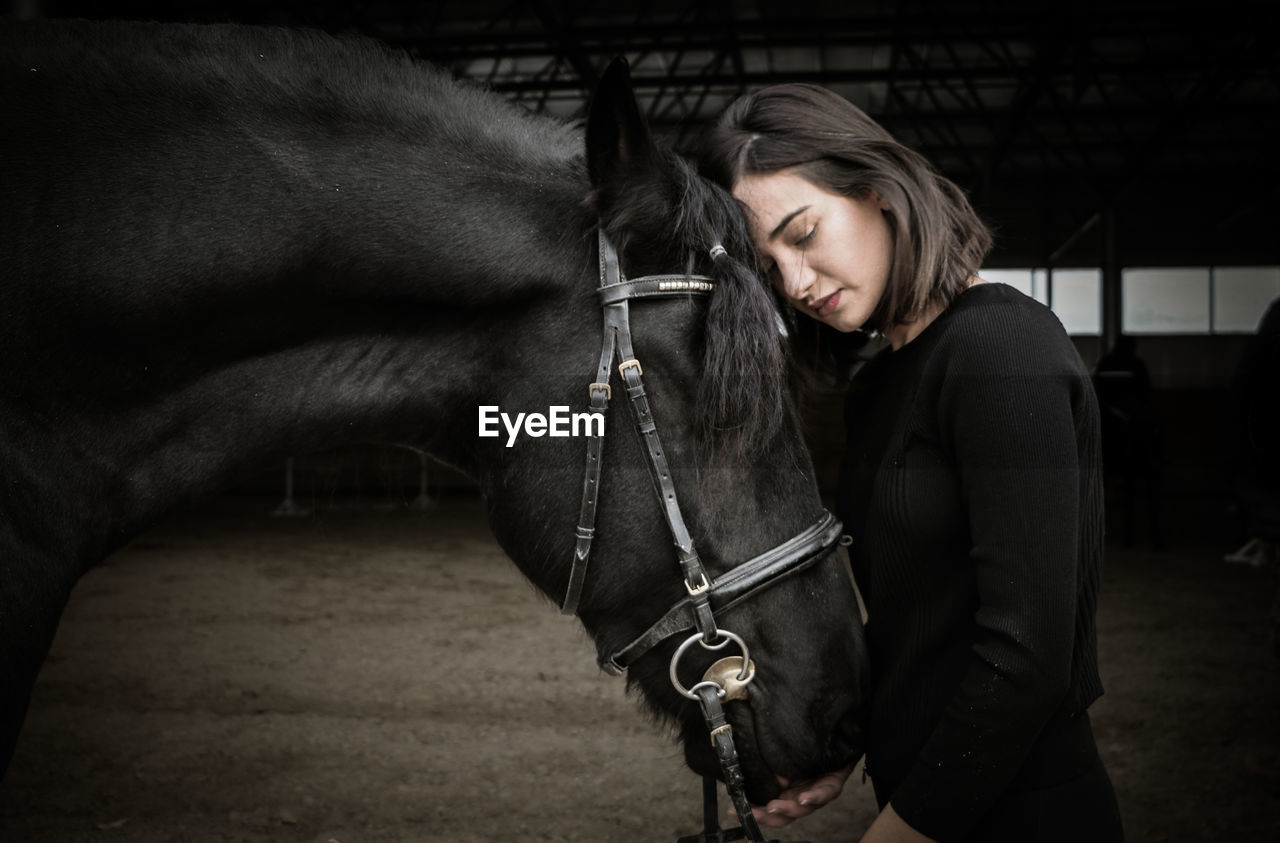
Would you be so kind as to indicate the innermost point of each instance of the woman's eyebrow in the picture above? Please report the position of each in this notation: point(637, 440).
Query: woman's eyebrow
point(786, 221)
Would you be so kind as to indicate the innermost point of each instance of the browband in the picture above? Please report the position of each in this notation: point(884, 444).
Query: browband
point(653, 286)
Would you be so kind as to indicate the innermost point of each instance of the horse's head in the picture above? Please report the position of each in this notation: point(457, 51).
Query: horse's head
point(714, 376)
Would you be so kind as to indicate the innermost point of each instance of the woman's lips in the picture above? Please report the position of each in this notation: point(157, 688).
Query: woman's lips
point(825, 307)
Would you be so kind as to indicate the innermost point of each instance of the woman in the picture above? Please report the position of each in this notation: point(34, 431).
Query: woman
point(971, 482)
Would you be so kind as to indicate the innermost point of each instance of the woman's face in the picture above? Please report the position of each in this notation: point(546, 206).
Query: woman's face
point(828, 254)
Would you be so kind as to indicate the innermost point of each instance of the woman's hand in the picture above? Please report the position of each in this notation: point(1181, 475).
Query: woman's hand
point(891, 828)
point(800, 799)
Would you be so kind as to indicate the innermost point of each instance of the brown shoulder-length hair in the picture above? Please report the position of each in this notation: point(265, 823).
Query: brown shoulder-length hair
point(939, 241)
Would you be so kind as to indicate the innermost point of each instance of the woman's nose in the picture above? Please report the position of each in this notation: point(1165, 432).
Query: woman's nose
point(797, 280)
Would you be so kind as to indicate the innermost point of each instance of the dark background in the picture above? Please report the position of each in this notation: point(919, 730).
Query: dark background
point(234, 676)
point(1088, 134)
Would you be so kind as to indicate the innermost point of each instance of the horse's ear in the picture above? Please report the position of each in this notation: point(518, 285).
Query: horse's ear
point(618, 141)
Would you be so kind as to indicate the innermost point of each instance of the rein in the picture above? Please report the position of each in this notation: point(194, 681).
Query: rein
point(729, 678)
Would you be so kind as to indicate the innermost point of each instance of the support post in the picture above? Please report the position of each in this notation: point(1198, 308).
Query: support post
point(423, 502)
point(289, 508)
point(1112, 291)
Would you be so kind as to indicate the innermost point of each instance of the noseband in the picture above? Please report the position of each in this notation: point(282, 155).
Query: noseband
point(728, 678)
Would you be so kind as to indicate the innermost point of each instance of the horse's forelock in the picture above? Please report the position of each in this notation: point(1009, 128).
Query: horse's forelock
point(743, 391)
point(742, 399)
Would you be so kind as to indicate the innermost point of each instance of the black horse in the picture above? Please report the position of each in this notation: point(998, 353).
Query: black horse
point(223, 245)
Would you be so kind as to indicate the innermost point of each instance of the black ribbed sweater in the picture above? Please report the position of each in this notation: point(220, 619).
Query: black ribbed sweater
point(972, 488)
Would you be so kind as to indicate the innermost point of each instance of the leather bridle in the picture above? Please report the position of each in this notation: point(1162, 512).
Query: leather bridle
point(729, 677)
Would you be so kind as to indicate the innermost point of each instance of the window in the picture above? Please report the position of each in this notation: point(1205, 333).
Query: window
point(1173, 300)
point(1155, 300)
point(1197, 300)
point(1076, 297)
point(1241, 295)
point(1029, 281)
point(1076, 294)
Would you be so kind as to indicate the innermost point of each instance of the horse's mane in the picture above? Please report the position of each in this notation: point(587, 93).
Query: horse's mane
point(265, 74)
point(351, 79)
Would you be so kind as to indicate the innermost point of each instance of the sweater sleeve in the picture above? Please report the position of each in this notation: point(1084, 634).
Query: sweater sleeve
point(1008, 388)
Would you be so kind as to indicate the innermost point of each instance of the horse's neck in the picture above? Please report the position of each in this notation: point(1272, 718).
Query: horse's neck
point(213, 286)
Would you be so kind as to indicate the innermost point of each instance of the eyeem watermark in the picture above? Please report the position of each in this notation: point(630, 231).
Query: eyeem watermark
point(558, 421)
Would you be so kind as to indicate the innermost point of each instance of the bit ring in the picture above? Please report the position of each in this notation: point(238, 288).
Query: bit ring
point(726, 636)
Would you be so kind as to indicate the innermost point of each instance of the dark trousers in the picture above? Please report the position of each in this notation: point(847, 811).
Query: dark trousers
point(1062, 795)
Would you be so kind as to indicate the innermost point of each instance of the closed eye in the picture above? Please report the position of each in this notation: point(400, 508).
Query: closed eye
point(808, 237)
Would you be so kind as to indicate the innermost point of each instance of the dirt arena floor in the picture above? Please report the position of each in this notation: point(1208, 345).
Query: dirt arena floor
point(388, 676)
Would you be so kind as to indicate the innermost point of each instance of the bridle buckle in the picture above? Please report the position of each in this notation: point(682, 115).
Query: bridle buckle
point(608, 391)
point(633, 363)
point(695, 590)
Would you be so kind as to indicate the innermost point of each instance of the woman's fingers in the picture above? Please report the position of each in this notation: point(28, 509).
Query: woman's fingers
point(784, 810)
point(779, 812)
point(800, 799)
point(822, 790)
